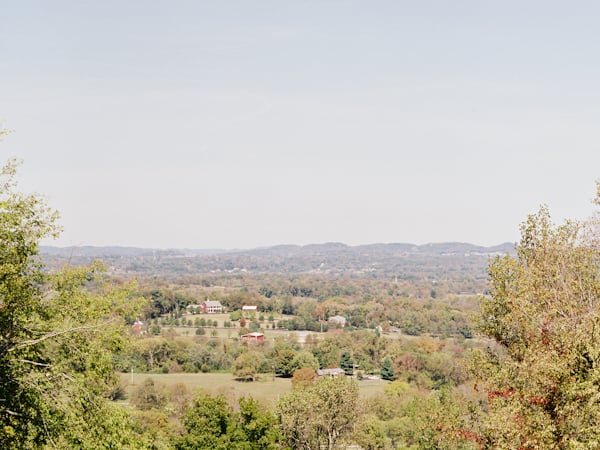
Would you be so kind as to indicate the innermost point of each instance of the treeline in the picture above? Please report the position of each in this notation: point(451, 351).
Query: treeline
point(317, 286)
point(427, 362)
point(364, 304)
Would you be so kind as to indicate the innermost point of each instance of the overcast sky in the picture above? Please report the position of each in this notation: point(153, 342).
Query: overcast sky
point(236, 124)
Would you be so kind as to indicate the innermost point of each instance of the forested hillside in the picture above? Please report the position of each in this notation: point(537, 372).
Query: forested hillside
point(441, 261)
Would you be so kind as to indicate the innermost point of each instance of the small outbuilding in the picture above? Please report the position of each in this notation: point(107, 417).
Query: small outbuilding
point(252, 338)
point(339, 321)
point(333, 372)
point(138, 327)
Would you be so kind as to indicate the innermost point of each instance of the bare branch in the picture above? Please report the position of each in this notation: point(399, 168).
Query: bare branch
point(92, 328)
point(33, 363)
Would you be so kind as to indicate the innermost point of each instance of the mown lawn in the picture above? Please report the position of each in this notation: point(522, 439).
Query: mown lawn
point(233, 333)
point(266, 390)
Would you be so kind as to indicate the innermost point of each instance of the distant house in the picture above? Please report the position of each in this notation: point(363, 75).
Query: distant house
point(211, 307)
point(338, 321)
point(252, 338)
point(334, 372)
point(249, 308)
point(138, 327)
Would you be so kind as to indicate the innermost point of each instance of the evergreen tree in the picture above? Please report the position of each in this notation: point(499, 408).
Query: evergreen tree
point(347, 363)
point(387, 371)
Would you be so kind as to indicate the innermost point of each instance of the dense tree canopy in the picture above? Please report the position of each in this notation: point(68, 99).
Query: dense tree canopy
point(542, 378)
point(320, 414)
point(210, 423)
point(58, 333)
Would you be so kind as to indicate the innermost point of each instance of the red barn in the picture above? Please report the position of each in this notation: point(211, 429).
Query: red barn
point(253, 337)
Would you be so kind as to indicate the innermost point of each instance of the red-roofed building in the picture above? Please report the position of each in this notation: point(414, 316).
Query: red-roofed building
point(252, 338)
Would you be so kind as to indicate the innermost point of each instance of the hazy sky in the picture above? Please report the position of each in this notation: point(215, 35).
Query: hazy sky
point(206, 124)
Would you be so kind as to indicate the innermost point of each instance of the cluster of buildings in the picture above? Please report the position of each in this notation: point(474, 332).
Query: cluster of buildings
point(336, 323)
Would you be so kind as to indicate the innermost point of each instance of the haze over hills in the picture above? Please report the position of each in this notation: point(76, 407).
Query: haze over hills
point(448, 260)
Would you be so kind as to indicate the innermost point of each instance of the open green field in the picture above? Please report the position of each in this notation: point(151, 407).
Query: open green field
point(266, 390)
point(220, 331)
point(221, 318)
point(233, 333)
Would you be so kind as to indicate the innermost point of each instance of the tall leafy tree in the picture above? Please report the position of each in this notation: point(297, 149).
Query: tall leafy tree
point(247, 365)
point(210, 423)
point(206, 423)
point(283, 356)
point(149, 395)
point(319, 415)
point(305, 359)
point(256, 428)
point(542, 378)
point(57, 335)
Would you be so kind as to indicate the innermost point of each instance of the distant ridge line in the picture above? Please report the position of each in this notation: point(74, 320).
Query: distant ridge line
point(439, 248)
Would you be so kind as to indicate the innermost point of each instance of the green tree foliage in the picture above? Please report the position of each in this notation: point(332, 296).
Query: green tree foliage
point(409, 418)
point(366, 347)
point(256, 427)
point(542, 379)
point(442, 421)
point(305, 359)
point(210, 423)
point(370, 433)
point(156, 430)
point(347, 363)
point(284, 356)
point(154, 351)
point(318, 415)
point(58, 333)
point(206, 424)
point(248, 365)
point(149, 395)
point(387, 370)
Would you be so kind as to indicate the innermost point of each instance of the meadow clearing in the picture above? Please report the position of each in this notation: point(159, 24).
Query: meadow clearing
point(267, 389)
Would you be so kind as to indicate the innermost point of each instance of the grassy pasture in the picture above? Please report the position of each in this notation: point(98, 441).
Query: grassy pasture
point(265, 390)
point(221, 331)
point(221, 318)
point(233, 333)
